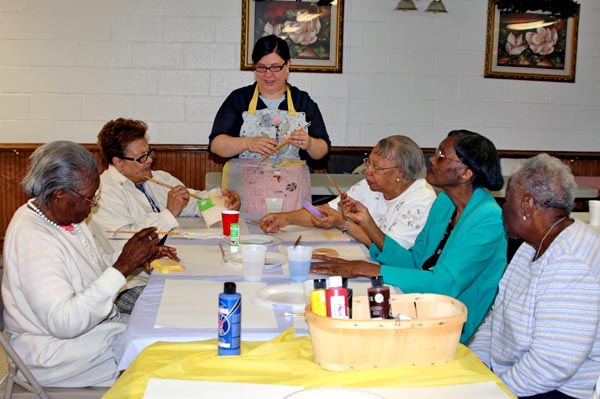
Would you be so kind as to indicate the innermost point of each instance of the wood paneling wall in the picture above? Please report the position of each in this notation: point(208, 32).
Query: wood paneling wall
point(191, 162)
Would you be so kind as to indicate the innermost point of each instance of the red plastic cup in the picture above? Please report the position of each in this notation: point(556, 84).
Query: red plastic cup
point(229, 217)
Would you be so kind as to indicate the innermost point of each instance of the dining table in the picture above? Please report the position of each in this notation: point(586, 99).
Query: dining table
point(182, 306)
point(169, 349)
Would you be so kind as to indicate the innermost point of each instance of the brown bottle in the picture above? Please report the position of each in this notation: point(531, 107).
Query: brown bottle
point(379, 299)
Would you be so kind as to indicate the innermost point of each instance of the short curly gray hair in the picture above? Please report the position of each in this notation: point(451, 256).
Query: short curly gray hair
point(407, 155)
point(548, 180)
point(58, 165)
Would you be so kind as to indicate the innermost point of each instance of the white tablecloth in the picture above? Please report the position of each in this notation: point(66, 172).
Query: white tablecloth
point(205, 273)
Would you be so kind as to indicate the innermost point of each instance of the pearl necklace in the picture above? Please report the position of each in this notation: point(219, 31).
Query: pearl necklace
point(75, 232)
point(546, 235)
point(41, 214)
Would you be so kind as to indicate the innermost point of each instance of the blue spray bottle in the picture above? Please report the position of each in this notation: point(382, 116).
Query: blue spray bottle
point(230, 320)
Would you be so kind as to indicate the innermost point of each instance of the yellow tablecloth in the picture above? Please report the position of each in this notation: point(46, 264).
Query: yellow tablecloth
point(285, 360)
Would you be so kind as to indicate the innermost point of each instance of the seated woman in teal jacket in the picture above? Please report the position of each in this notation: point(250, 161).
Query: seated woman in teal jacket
point(461, 251)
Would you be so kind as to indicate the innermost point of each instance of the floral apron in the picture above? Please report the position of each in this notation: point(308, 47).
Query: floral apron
point(283, 174)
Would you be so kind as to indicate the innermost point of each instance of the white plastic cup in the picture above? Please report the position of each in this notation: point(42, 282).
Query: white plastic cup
point(274, 205)
point(299, 257)
point(253, 261)
point(594, 207)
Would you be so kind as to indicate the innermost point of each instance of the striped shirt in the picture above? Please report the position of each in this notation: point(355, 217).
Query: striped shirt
point(542, 333)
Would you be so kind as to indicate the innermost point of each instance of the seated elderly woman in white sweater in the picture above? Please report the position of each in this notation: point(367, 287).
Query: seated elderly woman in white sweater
point(58, 287)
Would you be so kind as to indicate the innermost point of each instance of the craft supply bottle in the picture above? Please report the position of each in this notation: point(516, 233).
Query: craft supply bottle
point(350, 292)
point(230, 320)
point(336, 298)
point(234, 237)
point(379, 299)
point(318, 302)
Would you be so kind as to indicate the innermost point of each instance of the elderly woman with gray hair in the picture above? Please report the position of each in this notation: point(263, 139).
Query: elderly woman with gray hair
point(542, 336)
point(394, 192)
point(58, 289)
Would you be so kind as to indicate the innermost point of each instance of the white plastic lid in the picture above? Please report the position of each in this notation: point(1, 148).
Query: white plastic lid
point(335, 281)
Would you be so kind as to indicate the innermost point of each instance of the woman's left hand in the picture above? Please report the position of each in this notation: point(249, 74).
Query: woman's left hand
point(354, 210)
point(232, 199)
point(343, 267)
point(300, 139)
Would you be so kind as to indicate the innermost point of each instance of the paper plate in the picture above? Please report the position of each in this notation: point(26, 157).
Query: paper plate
point(282, 294)
point(333, 393)
point(273, 259)
point(261, 239)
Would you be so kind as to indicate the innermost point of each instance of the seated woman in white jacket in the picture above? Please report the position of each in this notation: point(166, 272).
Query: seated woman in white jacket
point(58, 287)
point(129, 200)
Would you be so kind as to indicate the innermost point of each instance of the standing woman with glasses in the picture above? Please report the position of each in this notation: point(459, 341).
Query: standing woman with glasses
point(461, 251)
point(393, 191)
point(255, 119)
point(129, 200)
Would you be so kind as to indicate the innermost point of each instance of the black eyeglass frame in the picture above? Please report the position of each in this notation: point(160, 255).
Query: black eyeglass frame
point(142, 158)
point(272, 68)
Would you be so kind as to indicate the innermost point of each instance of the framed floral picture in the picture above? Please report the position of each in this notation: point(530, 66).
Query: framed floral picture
point(312, 29)
point(531, 45)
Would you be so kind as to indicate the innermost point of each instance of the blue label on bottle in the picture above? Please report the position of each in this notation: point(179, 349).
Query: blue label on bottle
point(230, 318)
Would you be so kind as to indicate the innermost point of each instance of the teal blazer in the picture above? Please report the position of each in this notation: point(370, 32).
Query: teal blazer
point(470, 265)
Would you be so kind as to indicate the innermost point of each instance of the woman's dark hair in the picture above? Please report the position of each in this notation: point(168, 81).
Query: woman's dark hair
point(116, 135)
point(481, 156)
point(270, 44)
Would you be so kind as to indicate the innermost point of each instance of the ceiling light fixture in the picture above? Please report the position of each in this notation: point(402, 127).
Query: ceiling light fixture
point(436, 6)
point(406, 5)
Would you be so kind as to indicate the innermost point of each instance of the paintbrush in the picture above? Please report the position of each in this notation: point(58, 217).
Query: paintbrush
point(297, 241)
point(256, 222)
point(274, 150)
point(335, 185)
point(160, 183)
point(280, 145)
point(222, 252)
point(167, 233)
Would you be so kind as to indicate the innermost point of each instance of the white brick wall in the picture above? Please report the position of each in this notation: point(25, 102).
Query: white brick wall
point(68, 66)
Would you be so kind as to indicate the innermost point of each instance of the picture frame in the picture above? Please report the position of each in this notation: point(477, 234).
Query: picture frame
point(319, 45)
point(531, 45)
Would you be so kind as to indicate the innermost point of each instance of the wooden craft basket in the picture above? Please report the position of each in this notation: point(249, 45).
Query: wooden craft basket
point(430, 337)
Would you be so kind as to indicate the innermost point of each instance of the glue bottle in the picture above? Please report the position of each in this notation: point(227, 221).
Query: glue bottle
point(379, 299)
point(234, 237)
point(318, 302)
point(230, 320)
point(350, 293)
point(336, 298)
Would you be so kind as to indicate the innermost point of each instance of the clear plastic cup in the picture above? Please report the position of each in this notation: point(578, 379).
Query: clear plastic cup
point(253, 261)
point(274, 205)
point(299, 257)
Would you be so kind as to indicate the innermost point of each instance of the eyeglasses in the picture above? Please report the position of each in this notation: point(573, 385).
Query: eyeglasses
point(93, 201)
point(376, 169)
point(142, 158)
point(439, 155)
point(272, 68)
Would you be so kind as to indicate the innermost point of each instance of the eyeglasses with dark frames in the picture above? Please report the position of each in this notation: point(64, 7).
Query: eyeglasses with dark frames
point(272, 68)
point(142, 158)
point(93, 200)
point(376, 169)
point(439, 155)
